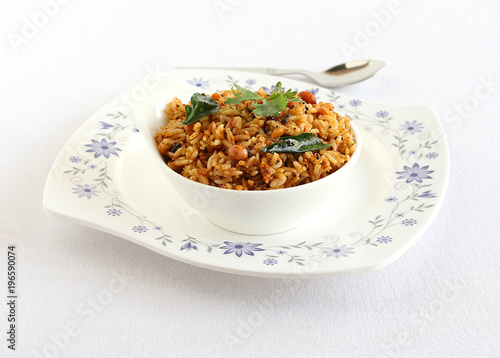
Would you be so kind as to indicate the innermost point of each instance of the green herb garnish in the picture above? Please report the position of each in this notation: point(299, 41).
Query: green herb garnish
point(245, 95)
point(304, 142)
point(271, 105)
point(201, 106)
point(279, 92)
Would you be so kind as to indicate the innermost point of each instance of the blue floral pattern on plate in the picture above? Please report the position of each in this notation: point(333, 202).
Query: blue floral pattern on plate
point(102, 148)
point(86, 191)
point(198, 82)
point(240, 248)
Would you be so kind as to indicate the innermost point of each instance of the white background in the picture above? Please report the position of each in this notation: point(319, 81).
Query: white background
point(440, 299)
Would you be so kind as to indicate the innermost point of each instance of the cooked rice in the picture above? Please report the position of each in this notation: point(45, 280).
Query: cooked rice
point(201, 152)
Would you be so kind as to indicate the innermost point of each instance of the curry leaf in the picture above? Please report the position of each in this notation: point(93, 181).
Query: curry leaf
point(201, 106)
point(304, 142)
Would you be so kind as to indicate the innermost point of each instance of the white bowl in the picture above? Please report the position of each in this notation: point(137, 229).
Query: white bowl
point(246, 212)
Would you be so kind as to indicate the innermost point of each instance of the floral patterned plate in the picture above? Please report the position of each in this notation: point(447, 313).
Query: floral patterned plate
point(103, 178)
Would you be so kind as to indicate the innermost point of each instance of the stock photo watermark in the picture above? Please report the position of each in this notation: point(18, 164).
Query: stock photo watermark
point(397, 343)
point(12, 303)
point(11, 292)
point(247, 326)
point(133, 97)
point(32, 25)
point(222, 7)
point(363, 36)
point(295, 281)
point(85, 314)
point(483, 91)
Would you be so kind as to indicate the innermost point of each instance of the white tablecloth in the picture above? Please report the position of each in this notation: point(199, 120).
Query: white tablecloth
point(84, 293)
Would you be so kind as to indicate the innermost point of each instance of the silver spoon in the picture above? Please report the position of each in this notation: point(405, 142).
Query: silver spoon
point(337, 76)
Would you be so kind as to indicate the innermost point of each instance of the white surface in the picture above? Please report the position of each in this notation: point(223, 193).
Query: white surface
point(439, 299)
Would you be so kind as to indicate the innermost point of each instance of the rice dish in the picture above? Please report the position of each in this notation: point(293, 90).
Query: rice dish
point(230, 148)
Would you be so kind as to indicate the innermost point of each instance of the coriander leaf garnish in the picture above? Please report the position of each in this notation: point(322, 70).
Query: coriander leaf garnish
point(245, 95)
point(278, 91)
point(271, 106)
point(290, 95)
point(201, 106)
point(304, 142)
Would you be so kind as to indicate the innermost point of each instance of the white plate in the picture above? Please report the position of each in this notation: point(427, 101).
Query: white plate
point(103, 178)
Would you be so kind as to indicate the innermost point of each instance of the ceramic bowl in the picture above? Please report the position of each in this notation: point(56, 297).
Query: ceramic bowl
point(246, 212)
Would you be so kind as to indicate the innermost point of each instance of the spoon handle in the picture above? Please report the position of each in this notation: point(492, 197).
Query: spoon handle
point(265, 70)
